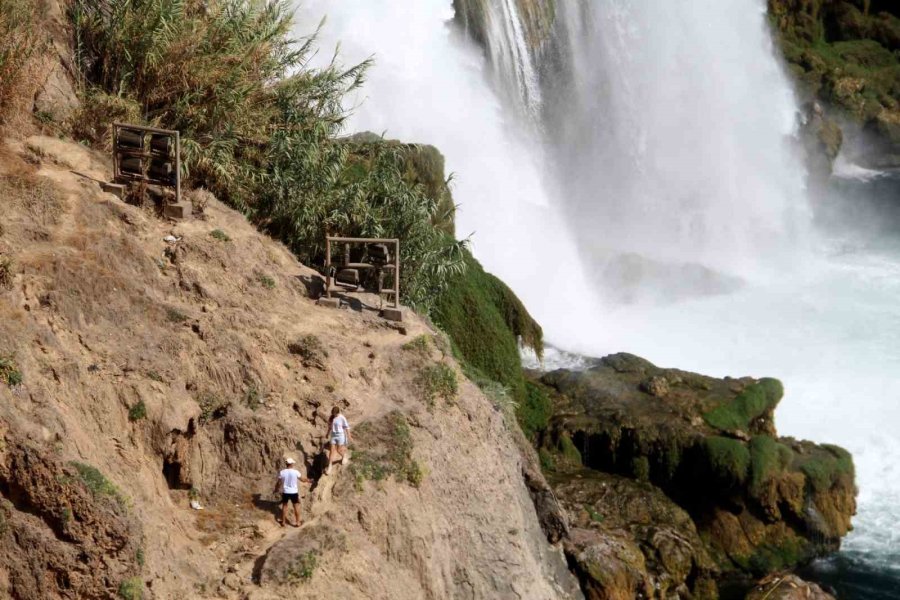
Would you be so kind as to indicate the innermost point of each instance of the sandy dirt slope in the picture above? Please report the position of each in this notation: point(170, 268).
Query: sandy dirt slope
point(235, 367)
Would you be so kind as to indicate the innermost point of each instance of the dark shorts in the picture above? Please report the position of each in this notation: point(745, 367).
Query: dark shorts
point(294, 498)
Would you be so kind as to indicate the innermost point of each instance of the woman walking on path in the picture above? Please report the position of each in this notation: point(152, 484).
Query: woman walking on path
point(339, 436)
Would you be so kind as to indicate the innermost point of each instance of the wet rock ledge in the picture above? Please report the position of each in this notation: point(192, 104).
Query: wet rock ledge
point(673, 482)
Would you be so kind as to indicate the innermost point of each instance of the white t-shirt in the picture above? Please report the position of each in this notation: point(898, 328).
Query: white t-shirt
point(339, 424)
point(290, 480)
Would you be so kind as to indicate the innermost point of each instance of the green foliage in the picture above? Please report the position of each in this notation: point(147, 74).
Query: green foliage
point(548, 463)
point(266, 281)
point(593, 514)
point(175, 316)
point(438, 381)
point(303, 568)
point(139, 557)
point(568, 451)
point(752, 403)
point(132, 589)
point(155, 376)
point(728, 459)
point(768, 458)
point(397, 460)
point(773, 557)
point(137, 412)
point(486, 321)
point(259, 126)
point(220, 235)
point(9, 370)
point(97, 483)
point(640, 468)
point(253, 398)
point(211, 406)
point(534, 411)
point(419, 344)
point(6, 272)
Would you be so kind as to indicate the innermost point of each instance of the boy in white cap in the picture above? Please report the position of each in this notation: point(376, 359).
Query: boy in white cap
point(289, 483)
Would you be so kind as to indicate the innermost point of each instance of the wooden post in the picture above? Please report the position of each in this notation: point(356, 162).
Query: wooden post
point(177, 167)
point(396, 273)
point(328, 267)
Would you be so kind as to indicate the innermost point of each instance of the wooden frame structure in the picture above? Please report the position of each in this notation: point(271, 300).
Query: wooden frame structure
point(346, 241)
point(146, 153)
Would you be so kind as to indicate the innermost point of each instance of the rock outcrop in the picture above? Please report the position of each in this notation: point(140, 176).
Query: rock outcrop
point(759, 502)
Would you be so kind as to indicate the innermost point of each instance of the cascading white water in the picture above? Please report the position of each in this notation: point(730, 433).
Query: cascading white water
point(667, 169)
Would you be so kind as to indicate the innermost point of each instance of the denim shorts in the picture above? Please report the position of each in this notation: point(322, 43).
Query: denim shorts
point(339, 439)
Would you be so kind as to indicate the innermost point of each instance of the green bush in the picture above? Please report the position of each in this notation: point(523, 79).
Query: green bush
point(220, 235)
point(9, 370)
point(97, 483)
point(132, 589)
point(727, 459)
point(397, 460)
point(266, 281)
point(534, 411)
point(753, 402)
point(438, 381)
point(137, 412)
point(419, 344)
point(259, 126)
point(304, 567)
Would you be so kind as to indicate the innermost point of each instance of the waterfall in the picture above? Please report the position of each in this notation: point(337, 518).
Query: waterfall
point(629, 170)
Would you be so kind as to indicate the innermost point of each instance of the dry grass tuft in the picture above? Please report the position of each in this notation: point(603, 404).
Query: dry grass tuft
point(39, 198)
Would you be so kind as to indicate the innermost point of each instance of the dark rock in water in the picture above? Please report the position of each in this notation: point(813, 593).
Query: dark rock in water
point(628, 540)
point(760, 502)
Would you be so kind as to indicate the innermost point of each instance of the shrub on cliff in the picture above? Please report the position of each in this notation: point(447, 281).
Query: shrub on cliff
point(755, 401)
point(259, 125)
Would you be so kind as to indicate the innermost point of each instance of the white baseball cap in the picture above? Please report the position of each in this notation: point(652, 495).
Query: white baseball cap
point(289, 460)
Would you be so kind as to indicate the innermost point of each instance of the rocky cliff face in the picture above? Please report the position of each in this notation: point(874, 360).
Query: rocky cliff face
point(710, 488)
point(844, 53)
point(139, 374)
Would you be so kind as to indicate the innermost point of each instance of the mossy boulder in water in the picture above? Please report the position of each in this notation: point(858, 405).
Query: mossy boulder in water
point(760, 502)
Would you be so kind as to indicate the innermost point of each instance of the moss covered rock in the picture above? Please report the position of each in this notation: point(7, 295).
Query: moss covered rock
point(846, 54)
point(761, 502)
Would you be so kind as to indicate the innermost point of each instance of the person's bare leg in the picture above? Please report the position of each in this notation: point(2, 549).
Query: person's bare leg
point(283, 512)
point(330, 459)
point(342, 450)
point(297, 514)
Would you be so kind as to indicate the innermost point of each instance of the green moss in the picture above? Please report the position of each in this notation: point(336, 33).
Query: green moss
point(568, 450)
point(753, 402)
point(825, 465)
point(137, 411)
point(771, 557)
point(548, 463)
point(266, 281)
point(534, 411)
point(97, 483)
point(640, 468)
point(485, 322)
point(132, 589)
point(768, 458)
point(727, 459)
